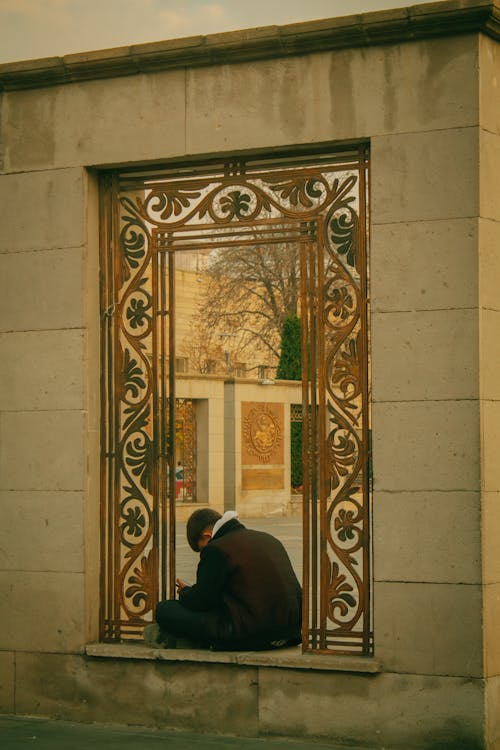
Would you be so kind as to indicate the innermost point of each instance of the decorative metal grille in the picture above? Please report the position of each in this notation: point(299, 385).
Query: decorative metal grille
point(318, 203)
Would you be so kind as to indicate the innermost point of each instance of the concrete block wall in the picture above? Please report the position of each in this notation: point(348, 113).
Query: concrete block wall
point(489, 347)
point(42, 414)
point(385, 710)
point(434, 149)
point(425, 387)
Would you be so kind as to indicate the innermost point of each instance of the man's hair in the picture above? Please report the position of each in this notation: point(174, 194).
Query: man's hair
point(197, 523)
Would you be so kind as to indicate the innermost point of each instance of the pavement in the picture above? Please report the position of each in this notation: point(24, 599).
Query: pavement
point(19, 733)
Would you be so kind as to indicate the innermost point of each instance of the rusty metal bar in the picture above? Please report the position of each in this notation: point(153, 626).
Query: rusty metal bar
point(106, 293)
point(115, 418)
point(265, 227)
point(322, 445)
point(172, 417)
point(163, 428)
point(306, 462)
point(233, 243)
point(312, 303)
point(157, 426)
point(177, 176)
point(364, 375)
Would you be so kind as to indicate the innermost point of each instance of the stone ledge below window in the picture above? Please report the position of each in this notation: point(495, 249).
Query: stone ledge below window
point(286, 658)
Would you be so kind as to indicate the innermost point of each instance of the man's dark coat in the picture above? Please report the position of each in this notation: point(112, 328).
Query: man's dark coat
point(248, 576)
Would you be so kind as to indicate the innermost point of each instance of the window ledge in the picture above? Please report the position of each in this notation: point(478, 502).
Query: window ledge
point(286, 658)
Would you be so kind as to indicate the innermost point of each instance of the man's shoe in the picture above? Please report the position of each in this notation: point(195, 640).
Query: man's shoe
point(154, 637)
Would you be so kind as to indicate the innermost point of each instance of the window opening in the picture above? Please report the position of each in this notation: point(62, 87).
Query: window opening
point(160, 229)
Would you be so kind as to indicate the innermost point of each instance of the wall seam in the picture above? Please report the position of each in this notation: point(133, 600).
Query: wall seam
point(185, 109)
point(203, 155)
point(36, 170)
point(429, 220)
point(42, 330)
point(14, 691)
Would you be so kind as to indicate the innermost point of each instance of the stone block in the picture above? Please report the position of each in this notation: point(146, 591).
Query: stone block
point(490, 354)
point(41, 611)
point(425, 176)
point(42, 210)
point(211, 697)
point(92, 315)
point(427, 536)
point(492, 712)
point(135, 118)
point(255, 104)
point(41, 370)
point(429, 628)
point(41, 290)
point(490, 529)
point(427, 265)
point(426, 445)
point(41, 450)
point(41, 531)
point(7, 682)
point(421, 86)
point(425, 355)
point(489, 84)
point(489, 264)
point(490, 428)
point(90, 528)
point(491, 615)
point(385, 710)
point(342, 94)
point(490, 167)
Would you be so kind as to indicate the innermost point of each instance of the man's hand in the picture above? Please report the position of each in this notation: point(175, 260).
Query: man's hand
point(180, 584)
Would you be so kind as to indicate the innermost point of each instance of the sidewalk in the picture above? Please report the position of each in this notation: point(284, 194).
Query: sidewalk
point(18, 733)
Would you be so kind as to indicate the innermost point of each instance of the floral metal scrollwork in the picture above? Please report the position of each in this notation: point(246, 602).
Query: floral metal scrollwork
point(347, 453)
point(135, 392)
point(324, 202)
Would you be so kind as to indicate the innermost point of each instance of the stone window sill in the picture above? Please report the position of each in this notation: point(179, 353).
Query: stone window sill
point(286, 658)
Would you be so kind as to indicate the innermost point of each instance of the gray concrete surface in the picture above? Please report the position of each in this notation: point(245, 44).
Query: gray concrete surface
point(44, 734)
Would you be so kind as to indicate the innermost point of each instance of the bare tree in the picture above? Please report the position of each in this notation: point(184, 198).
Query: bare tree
point(251, 290)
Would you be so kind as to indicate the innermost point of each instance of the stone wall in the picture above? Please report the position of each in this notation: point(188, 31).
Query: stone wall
point(386, 710)
point(429, 108)
point(489, 384)
point(43, 422)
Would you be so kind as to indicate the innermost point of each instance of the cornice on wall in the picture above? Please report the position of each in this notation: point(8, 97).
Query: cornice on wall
point(446, 18)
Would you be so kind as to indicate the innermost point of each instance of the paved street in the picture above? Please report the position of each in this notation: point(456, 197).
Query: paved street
point(43, 734)
point(287, 529)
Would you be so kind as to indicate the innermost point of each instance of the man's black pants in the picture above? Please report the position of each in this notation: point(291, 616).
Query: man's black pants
point(204, 628)
point(213, 629)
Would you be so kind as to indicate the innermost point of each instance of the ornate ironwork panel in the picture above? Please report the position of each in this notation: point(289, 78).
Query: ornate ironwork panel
point(132, 438)
point(317, 204)
point(337, 493)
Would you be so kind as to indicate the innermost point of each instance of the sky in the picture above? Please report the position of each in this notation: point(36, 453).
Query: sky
point(47, 28)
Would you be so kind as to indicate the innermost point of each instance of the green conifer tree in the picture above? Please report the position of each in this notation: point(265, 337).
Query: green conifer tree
point(290, 363)
point(290, 368)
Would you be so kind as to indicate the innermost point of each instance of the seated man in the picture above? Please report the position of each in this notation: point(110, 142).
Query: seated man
point(246, 595)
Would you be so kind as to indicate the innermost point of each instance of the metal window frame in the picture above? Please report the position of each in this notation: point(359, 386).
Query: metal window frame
point(335, 345)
